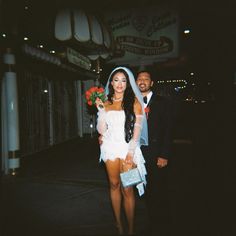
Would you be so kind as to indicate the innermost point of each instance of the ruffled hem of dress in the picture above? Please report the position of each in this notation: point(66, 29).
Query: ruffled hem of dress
point(110, 156)
point(138, 160)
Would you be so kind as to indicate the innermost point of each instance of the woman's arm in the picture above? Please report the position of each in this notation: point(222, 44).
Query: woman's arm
point(101, 115)
point(137, 128)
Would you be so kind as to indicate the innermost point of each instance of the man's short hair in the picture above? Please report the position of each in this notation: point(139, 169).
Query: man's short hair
point(144, 71)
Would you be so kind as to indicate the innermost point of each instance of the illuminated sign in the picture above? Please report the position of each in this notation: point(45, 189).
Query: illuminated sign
point(78, 59)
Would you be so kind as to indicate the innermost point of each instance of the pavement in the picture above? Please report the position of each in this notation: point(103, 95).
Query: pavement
point(63, 191)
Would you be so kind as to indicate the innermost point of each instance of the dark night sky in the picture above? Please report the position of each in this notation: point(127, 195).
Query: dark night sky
point(212, 23)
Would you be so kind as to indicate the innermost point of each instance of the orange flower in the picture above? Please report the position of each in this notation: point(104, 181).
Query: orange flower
point(147, 110)
point(90, 103)
point(100, 90)
point(93, 89)
point(87, 93)
point(87, 96)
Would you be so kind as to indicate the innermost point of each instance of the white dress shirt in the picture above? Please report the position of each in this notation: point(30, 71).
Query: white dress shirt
point(148, 98)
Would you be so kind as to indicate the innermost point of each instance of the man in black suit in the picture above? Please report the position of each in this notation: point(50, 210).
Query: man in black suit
point(157, 154)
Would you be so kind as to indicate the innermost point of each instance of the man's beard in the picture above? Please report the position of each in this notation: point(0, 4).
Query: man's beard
point(143, 89)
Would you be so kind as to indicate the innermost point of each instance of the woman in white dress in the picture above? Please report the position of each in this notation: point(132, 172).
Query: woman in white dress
point(123, 126)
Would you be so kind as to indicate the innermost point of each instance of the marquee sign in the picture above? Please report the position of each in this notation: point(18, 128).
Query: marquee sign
point(78, 59)
point(144, 35)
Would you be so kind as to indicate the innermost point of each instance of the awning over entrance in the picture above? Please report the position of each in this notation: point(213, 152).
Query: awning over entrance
point(85, 29)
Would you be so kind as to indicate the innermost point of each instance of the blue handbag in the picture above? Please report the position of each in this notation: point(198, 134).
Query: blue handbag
point(130, 177)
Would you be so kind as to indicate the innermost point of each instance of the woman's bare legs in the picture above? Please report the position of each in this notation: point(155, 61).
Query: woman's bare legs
point(113, 171)
point(129, 202)
point(129, 205)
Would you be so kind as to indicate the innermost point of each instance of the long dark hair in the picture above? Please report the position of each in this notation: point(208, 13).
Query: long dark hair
point(127, 104)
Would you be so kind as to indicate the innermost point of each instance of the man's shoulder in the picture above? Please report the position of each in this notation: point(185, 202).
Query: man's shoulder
point(159, 98)
point(163, 102)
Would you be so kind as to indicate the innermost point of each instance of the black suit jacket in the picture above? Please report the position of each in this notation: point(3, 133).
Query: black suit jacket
point(160, 128)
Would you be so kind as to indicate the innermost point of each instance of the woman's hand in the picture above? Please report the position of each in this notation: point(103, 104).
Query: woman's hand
point(99, 104)
point(128, 163)
point(100, 139)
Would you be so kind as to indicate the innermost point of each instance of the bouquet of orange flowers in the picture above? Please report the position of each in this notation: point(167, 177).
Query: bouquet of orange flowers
point(93, 93)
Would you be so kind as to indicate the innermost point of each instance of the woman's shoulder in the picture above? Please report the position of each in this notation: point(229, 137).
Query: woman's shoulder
point(106, 103)
point(136, 102)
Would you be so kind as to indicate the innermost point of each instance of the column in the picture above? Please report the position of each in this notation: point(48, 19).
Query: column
point(10, 116)
point(79, 102)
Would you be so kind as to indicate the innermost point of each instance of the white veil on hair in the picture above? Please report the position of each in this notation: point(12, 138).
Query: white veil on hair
point(144, 131)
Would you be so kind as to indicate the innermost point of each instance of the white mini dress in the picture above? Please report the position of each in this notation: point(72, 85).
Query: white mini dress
point(111, 126)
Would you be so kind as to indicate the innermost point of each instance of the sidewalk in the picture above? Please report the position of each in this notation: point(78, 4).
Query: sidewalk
point(63, 192)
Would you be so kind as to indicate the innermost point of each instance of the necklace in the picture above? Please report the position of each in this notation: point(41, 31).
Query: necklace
point(117, 99)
